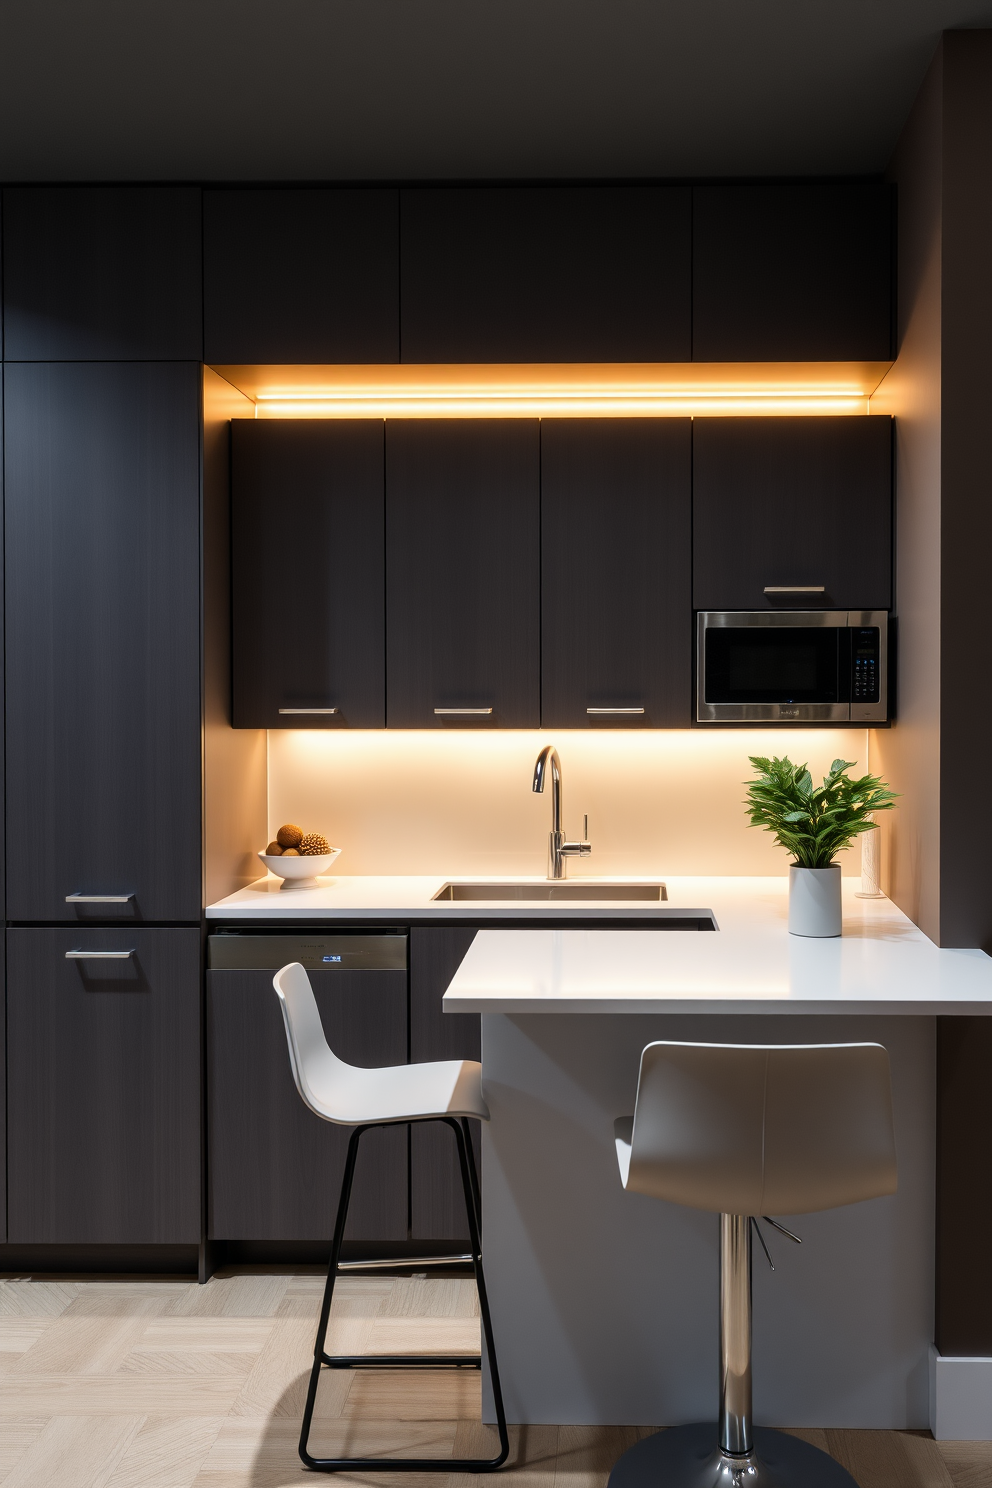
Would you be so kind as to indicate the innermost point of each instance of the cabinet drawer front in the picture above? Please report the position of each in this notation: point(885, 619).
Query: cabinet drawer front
point(104, 1086)
point(103, 647)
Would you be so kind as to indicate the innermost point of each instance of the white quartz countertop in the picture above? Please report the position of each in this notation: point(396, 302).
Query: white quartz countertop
point(751, 964)
point(394, 899)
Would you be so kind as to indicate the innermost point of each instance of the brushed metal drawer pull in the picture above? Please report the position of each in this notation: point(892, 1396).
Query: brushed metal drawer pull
point(99, 955)
point(614, 710)
point(794, 589)
point(98, 898)
point(462, 712)
point(308, 710)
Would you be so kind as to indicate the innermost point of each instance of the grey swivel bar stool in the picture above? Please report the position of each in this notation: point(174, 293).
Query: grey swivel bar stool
point(448, 1091)
point(747, 1131)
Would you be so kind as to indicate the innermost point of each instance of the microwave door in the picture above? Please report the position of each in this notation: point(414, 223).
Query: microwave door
point(779, 672)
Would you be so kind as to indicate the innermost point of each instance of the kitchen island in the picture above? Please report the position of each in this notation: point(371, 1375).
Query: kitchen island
point(605, 1303)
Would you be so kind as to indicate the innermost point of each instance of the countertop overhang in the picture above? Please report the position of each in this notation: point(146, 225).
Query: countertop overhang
point(882, 964)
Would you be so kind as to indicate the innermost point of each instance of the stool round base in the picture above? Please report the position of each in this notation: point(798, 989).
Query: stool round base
point(688, 1457)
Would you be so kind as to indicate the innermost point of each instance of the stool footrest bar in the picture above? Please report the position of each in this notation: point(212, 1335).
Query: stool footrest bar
point(398, 1261)
point(403, 1464)
point(402, 1361)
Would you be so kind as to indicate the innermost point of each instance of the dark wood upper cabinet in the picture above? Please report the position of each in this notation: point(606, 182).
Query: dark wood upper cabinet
point(792, 501)
point(104, 1087)
point(615, 593)
point(301, 275)
point(463, 573)
point(109, 273)
point(102, 561)
point(307, 573)
point(546, 274)
point(275, 1168)
point(799, 273)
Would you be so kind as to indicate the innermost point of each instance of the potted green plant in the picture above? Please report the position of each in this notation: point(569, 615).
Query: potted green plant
point(814, 824)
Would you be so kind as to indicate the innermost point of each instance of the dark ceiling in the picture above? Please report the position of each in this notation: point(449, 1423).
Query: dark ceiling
point(320, 89)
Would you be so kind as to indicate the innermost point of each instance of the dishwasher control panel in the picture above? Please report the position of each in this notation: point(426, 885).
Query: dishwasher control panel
point(236, 950)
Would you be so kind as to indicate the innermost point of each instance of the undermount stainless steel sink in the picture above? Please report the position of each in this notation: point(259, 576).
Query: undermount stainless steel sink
point(556, 891)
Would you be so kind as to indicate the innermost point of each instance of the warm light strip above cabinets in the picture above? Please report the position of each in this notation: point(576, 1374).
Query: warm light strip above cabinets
point(575, 391)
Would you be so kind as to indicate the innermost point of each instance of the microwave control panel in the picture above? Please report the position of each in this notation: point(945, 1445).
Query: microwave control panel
point(865, 665)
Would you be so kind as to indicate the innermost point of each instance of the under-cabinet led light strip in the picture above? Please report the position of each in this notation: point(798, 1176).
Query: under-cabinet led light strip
point(563, 403)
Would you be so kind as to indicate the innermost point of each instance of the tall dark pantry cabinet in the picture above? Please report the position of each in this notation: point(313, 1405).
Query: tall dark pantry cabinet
point(102, 560)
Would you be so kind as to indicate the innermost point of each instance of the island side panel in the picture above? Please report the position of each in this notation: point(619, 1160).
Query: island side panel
point(605, 1303)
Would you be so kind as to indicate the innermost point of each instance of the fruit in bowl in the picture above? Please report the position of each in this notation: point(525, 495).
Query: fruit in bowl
point(297, 857)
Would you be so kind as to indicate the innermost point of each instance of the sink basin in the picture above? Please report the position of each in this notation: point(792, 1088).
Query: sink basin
point(556, 892)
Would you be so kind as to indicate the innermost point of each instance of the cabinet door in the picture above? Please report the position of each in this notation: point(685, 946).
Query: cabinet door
point(792, 273)
point(792, 501)
point(275, 1168)
point(3, 1097)
point(307, 580)
point(103, 645)
point(301, 275)
point(102, 273)
point(437, 1204)
point(104, 1087)
point(615, 592)
point(546, 274)
point(463, 573)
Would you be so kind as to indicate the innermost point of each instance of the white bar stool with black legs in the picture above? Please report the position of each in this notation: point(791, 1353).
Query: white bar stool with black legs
point(747, 1131)
point(449, 1092)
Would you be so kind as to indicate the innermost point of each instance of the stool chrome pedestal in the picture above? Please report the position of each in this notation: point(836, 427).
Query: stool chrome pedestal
point(684, 1457)
point(733, 1453)
point(766, 1129)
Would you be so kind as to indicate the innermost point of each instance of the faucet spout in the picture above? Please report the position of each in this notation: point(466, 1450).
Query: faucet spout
point(558, 848)
point(549, 756)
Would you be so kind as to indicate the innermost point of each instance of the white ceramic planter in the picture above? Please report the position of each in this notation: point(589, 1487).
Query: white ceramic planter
point(814, 901)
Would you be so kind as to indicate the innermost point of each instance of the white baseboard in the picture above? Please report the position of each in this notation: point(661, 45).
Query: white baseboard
point(960, 1398)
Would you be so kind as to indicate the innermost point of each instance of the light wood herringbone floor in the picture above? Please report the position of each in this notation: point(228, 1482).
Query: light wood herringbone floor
point(143, 1384)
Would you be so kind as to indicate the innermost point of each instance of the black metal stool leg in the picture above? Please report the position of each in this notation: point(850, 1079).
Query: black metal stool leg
point(473, 1171)
point(470, 1183)
point(325, 1307)
point(470, 1186)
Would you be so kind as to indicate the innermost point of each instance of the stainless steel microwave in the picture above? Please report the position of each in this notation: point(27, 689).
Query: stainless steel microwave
point(801, 666)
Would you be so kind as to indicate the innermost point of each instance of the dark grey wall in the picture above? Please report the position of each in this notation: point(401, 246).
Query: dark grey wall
point(936, 753)
point(940, 390)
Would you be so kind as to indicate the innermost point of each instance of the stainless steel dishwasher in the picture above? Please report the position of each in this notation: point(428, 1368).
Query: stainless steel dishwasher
point(273, 1168)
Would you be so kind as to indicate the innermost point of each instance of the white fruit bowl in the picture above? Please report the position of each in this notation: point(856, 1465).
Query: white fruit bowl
point(300, 873)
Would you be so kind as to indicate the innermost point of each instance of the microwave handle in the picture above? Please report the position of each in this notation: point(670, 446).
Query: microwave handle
point(794, 589)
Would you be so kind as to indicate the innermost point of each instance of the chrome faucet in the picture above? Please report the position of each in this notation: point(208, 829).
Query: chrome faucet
point(558, 848)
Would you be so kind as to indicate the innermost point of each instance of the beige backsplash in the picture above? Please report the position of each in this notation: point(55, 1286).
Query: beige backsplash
point(461, 802)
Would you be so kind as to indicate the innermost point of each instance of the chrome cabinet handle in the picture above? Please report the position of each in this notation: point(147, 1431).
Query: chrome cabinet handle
point(614, 710)
point(462, 712)
point(308, 710)
point(794, 589)
point(98, 898)
point(99, 955)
